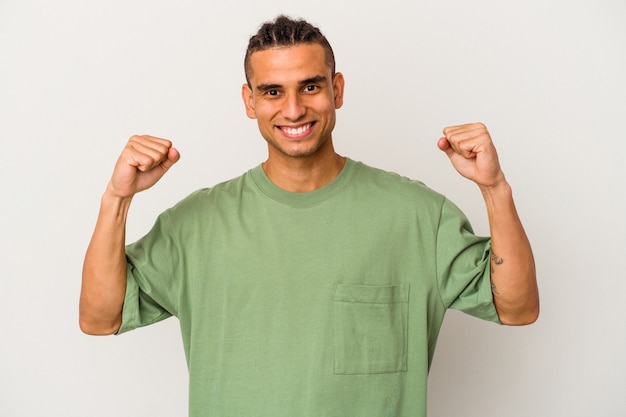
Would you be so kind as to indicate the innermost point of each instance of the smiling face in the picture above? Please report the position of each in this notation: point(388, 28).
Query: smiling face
point(293, 96)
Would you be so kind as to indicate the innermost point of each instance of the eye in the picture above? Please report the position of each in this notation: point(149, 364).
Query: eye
point(272, 93)
point(311, 88)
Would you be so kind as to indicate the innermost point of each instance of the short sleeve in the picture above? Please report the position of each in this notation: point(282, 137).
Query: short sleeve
point(463, 267)
point(152, 286)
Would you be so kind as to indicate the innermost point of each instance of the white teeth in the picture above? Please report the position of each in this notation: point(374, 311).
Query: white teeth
point(297, 131)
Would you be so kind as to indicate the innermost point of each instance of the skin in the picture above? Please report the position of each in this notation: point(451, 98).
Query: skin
point(513, 279)
point(144, 160)
point(293, 96)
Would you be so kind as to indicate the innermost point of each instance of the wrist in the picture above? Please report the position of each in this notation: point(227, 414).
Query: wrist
point(113, 195)
point(498, 191)
point(114, 205)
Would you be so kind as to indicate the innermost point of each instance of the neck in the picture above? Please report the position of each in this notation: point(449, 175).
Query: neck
point(303, 174)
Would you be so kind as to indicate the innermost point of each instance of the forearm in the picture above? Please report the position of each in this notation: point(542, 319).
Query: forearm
point(104, 270)
point(513, 278)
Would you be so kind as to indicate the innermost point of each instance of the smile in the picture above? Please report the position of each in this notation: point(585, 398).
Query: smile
point(296, 131)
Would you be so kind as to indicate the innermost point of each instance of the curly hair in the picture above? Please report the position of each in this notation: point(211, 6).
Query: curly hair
point(284, 31)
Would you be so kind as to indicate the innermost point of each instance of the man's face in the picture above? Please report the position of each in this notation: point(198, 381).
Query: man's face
point(293, 96)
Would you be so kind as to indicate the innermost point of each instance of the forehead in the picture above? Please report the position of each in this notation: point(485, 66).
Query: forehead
point(280, 65)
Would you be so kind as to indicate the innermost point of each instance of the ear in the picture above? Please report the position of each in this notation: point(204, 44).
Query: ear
point(338, 85)
point(248, 102)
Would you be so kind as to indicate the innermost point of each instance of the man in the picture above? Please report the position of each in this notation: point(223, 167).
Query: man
point(312, 285)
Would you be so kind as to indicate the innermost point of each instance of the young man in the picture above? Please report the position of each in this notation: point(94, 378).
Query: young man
point(312, 285)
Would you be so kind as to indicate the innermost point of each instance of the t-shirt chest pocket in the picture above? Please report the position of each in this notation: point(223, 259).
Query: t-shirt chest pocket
point(370, 328)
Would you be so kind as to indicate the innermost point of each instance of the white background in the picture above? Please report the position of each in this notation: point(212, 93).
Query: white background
point(77, 78)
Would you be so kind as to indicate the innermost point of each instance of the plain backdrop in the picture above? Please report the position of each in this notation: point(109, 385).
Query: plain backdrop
point(77, 78)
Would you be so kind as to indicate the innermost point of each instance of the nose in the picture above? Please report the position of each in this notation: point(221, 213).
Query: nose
point(293, 108)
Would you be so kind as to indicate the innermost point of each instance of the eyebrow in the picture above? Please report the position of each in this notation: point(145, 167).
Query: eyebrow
point(318, 79)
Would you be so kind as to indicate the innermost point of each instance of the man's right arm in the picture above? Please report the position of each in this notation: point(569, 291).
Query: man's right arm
point(143, 162)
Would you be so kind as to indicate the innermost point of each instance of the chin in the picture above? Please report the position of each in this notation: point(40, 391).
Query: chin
point(299, 150)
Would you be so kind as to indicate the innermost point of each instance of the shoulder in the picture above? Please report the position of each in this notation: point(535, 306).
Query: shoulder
point(391, 184)
point(224, 194)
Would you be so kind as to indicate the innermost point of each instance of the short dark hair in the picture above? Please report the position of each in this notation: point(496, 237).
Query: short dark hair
point(285, 31)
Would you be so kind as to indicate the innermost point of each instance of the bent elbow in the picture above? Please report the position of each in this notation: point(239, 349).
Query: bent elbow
point(92, 328)
point(525, 318)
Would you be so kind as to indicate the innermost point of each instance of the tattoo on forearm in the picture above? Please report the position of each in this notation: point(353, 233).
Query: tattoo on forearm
point(496, 259)
point(493, 288)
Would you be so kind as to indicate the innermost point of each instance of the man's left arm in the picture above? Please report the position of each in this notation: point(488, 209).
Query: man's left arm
point(513, 279)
